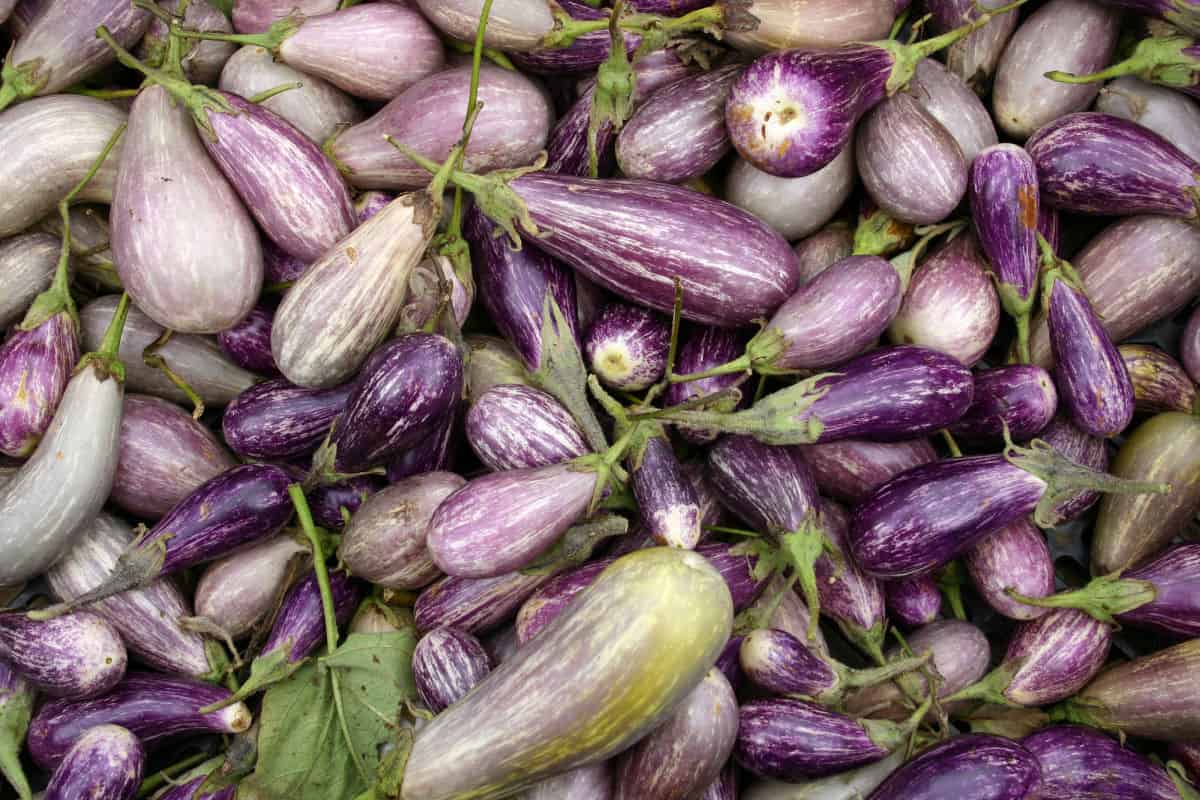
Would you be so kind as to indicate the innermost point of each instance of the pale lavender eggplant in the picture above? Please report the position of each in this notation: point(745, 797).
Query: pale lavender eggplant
point(1159, 381)
point(626, 346)
point(202, 61)
point(248, 343)
point(951, 304)
point(1083, 449)
point(91, 256)
point(970, 767)
point(942, 92)
point(316, 107)
point(823, 249)
point(510, 131)
point(435, 453)
point(151, 706)
point(973, 59)
point(35, 366)
point(912, 166)
point(385, 540)
point(405, 387)
point(240, 590)
point(680, 758)
point(448, 663)
point(913, 601)
point(104, 764)
point(679, 133)
point(516, 427)
point(474, 605)
point(49, 144)
point(330, 501)
point(852, 784)
point(849, 597)
point(851, 469)
point(278, 266)
point(1189, 346)
point(1020, 399)
point(165, 456)
point(667, 502)
point(703, 347)
point(1084, 764)
point(785, 25)
point(275, 419)
point(299, 626)
point(256, 16)
point(795, 207)
point(584, 54)
point(1077, 36)
point(147, 618)
point(514, 26)
point(1100, 164)
point(1015, 558)
point(582, 783)
point(77, 656)
point(1170, 114)
point(27, 265)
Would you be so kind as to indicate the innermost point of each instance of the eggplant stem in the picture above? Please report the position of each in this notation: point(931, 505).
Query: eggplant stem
point(951, 443)
point(107, 358)
point(275, 90)
point(740, 364)
point(270, 40)
point(151, 358)
point(10, 748)
point(140, 564)
point(1103, 598)
point(856, 678)
point(304, 514)
point(802, 547)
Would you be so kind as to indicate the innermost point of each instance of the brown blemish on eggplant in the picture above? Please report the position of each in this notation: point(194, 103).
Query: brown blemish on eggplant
point(1027, 197)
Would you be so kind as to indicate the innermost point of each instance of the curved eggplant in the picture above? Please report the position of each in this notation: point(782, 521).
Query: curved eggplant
point(786, 25)
point(1084, 764)
point(240, 590)
point(796, 207)
point(201, 61)
point(27, 266)
point(971, 767)
point(913, 601)
point(448, 663)
point(105, 764)
point(975, 58)
point(275, 419)
point(76, 656)
point(1170, 114)
point(1015, 558)
point(1020, 399)
point(516, 427)
point(947, 98)
point(1159, 381)
point(474, 605)
point(626, 346)
point(35, 365)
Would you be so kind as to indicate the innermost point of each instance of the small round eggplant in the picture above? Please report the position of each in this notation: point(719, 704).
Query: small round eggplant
point(786, 25)
point(975, 58)
point(104, 764)
point(202, 60)
point(796, 207)
point(626, 347)
point(35, 366)
point(702, 348)
point(27, 266)
point(275, 419)
point(248, 343)
point(1020, 399)
point(76, 656)
point(448, 663)
point(1084, 764)
point(1170, 114)
point(823, 249)
point(914, 601)
point(240, 590)
point(516, 427)
point(1015, 558)
point(474, 605)
point(1159, 381)
point(948, 99)
point(970, 767)
point(256, 16)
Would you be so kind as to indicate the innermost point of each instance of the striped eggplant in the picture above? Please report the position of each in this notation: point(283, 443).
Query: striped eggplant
point(823, 249)
point(474, 605)
point(330, 502)
point(350, 298)
point(27, 267)
point(448, 663)
point(147, 618)
point(248, 343)
point(667, 501)
point(593, 782)
point(1084, 764)
point(780, 607)
point(951, 305)
point(50, 143)
point(240, 590)
point(668, 8)
point(435, 453)
point(151, 706)
point(165, 455)
point(1020, 399)
point(278, 266)
point(201, 61)
point(586, 53)
point(1168, 60)
point(256, 16)
point(35, 365)
point(424, 296)
point(275, 419)
point(913, 602)
point(1069, 35)
point(795, 207)
point(16, 707)
point(637, 674)
point(1187, 754)
point(950, 101)
point(104, 764)
point(1159, 381)
point(1015, 559)
point(626, 346)
point(90, 253)
point(854, 784)
point(1189, 347)
point(1130, 530)
point(196, 359)
point(701, 348)
point(973, 59)
point(385, 540)
point(76, 656)
point(1083, 449)
point(1168, 113)
point(509, 132)
point(970, 767)
point(511, 426)
point(1181, 13)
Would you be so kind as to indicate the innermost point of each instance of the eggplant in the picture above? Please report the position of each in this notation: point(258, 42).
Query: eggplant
point(824, 248)
point(1163, 448)
point(1186, 754)
point(517, 427)
point(279, 267)
point(852, 784)
point(585, 54)
point(500, 747)
point(248, 343)
point(913, 601)
point(256, 16)
point(970, 767)
point(1083, 449)
point(91, 255)
point(1081, 763)
point(948, 99)
point(701, 348)
point(275, 419)
point(667, 503)
point(104, 764)
point(626, 347)
point(474, 605)
point(1189, 347)
point(240, 590)
point(786, 25)
point(76, 656)
point(51, 143)
point(950, 305)
point(424, 297)
point(1069, 35)
point(583, 783)
point(515, 25)
point(1171, 59)
point(849, 597)
point(331, 503)
point(1014, 559)
point(975, 58)
point(146, 618)
point(434, 453)
point(1166, 112)
point(16, 707)
point(1093, 380)
point(795, 207)
point(1020, 399)
point(448, 663)
point(1159, 381)
point(35, 365)
point(151, 706)
point(509, 132)
point(201, 61)
point(385, 540)
point(27, 266)
point(187, 790)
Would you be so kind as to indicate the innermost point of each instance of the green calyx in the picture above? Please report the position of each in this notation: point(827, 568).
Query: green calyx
point(858, 678)
point(1103, 598)
point(16, 708)
point(20, 81)
point(868, 640)
point(1079, 712)
point(989, 689)
point(800, 550)
point(106, 361)
point(877, 234)
point(906, 262)
point(612, 97)
point(266, 670)
point(1160, 59)
point(271, 39)
point(891, 735)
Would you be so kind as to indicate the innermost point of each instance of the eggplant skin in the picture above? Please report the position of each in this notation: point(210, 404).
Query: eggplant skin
point(105, 764)
point(970, 767)
point(1083, 764)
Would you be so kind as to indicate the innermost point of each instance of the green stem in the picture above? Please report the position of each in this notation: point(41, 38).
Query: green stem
point(951, 444)
point(107, 357)
point(165, 775)
point(739, 364)
point(886, 672)
point(269, 40)
point(105, 94)
point(1022, 322)
point(734, 531)
point(269, 93)
point(8, 93)
point(310, 530)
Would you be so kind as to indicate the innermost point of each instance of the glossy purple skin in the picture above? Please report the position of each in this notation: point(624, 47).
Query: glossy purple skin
point(851, 469)
point(513, 286)
point(913, 601)
point(474, 605)
point(77, 655)
point(406, 386)
point(434, 453)
point(248, 342)
point(585, 54)
point(949, 100)
point(1092, 380)
point(1082, 448)
point(912, 166)
point(626, 346)
point(35, 366)
point(1094, 163)
point(927, 516)
point(1021, 396)
point(105, 764)
point(1189, 347)
point(974, 58)
point(1159, 381)
point(151, 706)
point(517, 427)
point(679, 133)
point(780, 663)
point(823, 249)
point(300, 624)
point(1054, 656)
point(1175, 609)
point(279, 267)
point(769, 487)
point(448, 663)
point(1015, 557)
point(703, 347)
point(327, 502)
point(793, 740)
point(669, 8)
point(1004, 211)
point(969, 767)
point(1050, 226)
point(790, 113)
point(848, 596)
point(667, 503)
point(635, 237)
point(838, 314)
point(1085, 764)
point(276, 419)
point(241, 506)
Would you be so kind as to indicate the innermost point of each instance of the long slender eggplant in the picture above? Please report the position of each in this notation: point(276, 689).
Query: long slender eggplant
point(201, 61)
point(1159, 381)
point(76, 656)
point(970, 767)
point(27, 267)
point(256, 16)
point(516, 427)
point(35, 365)
point(948, 99)
point(104, 764)
point(448, 663)
point(239, 591)
point(849, 597)
point(1168, 113)
point(1189, 347)
point(275, 419)
point(913, 601)
point(973, 59)
point(626, 346)
point(785, 25)
point(1015, 558)
point(16, 707)
point(474, 605)
point(248, 342)
point(1020, 399)
point(1084, 764)
point(795, 207)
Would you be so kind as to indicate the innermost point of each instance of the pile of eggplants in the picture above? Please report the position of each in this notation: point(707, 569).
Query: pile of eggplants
point(600, 399)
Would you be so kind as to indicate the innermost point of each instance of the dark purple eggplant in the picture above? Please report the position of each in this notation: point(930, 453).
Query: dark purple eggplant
point(970, 767)
point(668, 506)
point(474, 605)
point(241, 590)
point(27, 266)
point(448, 663)
point(785, 25)
point(973, 59)
point(35, 365)
point(434, 453)
point(276, 419)
point(703, 347)
point(1016, 559)
point(279, 267)
point(517, 427)
point(1020, 399)
point(795, 207)
point(16, 707)
point(76, 656)
point(1168, 113)
point(248, 342)
point(256, 16)
point(1084, 764)
point(1159, 381)
point(104, 764)
point(1083, 449)
point(186, 789)
point(330, 502)
point(165, 456)
point(913, 601)
point(626, 347)
point(942, 91)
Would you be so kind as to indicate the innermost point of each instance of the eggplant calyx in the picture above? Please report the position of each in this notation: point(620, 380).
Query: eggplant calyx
point(1160, 59)
point(271, 39)
point(906, 262)
point(16, 708)
point(891, 735)
point(1104, 598)
point(106, 362)
point(20, 81)
point(139, 565)
point(777, 419)
point(1079, 712)
point(988, 689)
point(868, 640)
point(267, 669)
point(878, 234)
point(857, 678)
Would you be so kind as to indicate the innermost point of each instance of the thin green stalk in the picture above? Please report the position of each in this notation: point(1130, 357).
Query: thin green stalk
point(163, 776)
point(310, 530)
point(269, 93)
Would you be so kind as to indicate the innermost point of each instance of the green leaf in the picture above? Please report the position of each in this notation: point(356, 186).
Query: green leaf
point(562, 374)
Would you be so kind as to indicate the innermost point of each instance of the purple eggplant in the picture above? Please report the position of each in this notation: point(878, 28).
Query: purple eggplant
point(330, 502)
point(823, 249)
point(434, 453)
point(385, 540)
point(517, 427)
point(785, 25)
point(667, 502)
point(1168, 113)
point(1020, 399)
point(448, 663)
point(474, 605)
point(593, 782)
point(587, 52)
point(950, 101)
point(27, 267)
point(201, 61)
point(970, 767)
point(35, 365)
point(76, 656)
point(278, 266)
point(248, 343)
point(950, 305)
point(1084, 764)
point(165, 456)
point(702, 348)
point(913, 601)
point(973, 59)
point(509, 132)
point(16, 707)
point(189, 789)
point(1189, 347)
point(1069, 35)
point(626, 347)
point(256, 16)
point(1083, 449)
point(795, 207)
point(151, 706)
point(104, 764)
point(275, 419)
point(853, 784)
point(240, 590)
point(1016, 559)
point(1100, 164)
point(1181, 13)
point(1159, 381)
point(849, 597)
